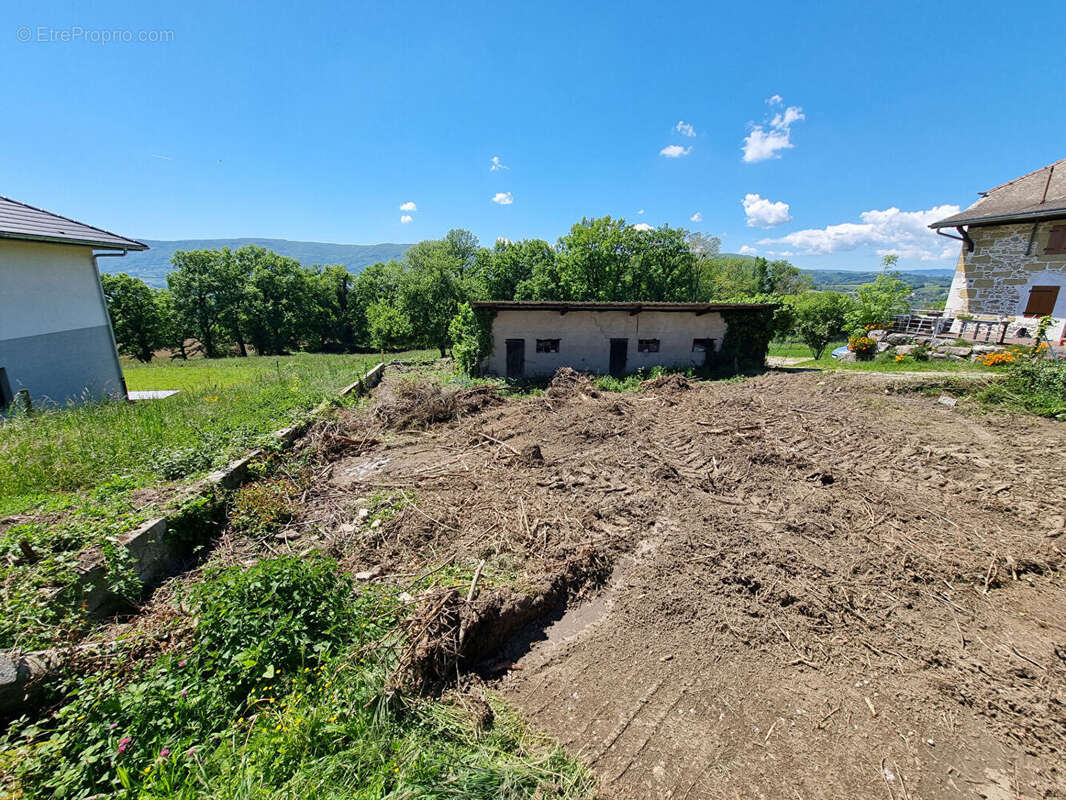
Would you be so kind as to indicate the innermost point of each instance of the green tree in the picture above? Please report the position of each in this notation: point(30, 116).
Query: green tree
point(820, 317)
point(510, 264)
point(332, 329)
point(175, 332)
point(379, 282)
point(136, 317)
point(206, 296)
point(469, 340)
point(277, 304)
point(439, 275)
point(881, 300)
point(607, 259)
point(388, 325)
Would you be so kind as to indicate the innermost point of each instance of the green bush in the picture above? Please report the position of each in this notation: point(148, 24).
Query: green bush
point(1037, 386)
point(260, 626)
point(819, 318)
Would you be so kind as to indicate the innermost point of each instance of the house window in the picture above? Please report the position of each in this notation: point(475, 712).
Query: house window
point(703, 345)
point(647, 345)
point(1056, 240)
point(547, 345)
point(1041, 301)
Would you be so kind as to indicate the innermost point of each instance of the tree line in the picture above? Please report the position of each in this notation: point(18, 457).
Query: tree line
point(230, 302)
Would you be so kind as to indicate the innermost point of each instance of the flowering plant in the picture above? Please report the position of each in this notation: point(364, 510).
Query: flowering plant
point(862, 346)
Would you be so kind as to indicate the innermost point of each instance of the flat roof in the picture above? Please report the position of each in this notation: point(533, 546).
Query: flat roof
point(563, 306)
point(25, 222)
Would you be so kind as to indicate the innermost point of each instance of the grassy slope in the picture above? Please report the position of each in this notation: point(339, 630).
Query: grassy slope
point(69, 478)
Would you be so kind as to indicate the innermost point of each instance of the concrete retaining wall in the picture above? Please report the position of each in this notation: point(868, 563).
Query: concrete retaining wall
point(157, 549)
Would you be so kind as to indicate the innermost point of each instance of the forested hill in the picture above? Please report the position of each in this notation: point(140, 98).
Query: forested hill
point(152, 265)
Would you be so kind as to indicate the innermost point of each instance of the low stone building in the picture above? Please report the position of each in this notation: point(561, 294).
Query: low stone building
point(1012, 267)
point(56, 342)
point(534, 339)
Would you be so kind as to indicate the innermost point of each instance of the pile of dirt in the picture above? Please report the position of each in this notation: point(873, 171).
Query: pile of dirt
point(421, 402)
point(568, 383)
point(669, 383)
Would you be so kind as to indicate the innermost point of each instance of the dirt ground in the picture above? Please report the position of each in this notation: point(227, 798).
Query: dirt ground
point(797, 585)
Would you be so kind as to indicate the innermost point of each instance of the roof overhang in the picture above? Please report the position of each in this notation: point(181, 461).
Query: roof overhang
point(564, 306)
point(1001, 219)
point(130, 244)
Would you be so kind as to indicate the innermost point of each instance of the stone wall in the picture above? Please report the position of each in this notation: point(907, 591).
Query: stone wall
point(994, 280)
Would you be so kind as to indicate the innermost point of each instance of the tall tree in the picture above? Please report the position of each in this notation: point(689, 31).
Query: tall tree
point(277, 304)
point(136, 317)
point(205, 296)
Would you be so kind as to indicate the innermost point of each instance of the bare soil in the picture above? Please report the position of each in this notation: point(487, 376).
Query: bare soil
point(798, 585)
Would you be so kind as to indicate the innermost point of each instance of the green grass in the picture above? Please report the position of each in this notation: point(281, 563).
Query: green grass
point(78, 477)
point(885, 362)
point(224, 407)
point(280, 690)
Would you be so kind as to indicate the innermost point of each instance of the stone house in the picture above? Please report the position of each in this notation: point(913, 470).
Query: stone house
point(1012, 265)
point(56, 342)
point(535, 338)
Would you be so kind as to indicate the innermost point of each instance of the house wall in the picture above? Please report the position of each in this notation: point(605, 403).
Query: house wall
point(55, 336)
point(994, 280)
point(585, 339)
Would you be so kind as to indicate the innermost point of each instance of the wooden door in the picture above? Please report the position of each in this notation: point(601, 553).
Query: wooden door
point(619, 350)
point(516, 358)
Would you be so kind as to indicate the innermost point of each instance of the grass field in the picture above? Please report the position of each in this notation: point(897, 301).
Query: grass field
point(75, 477)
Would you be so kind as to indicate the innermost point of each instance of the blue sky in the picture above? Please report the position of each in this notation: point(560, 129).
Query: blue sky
point(319, 121)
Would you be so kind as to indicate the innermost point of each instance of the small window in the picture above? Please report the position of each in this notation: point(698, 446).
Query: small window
point(703, 345)
point(1056, 240)
point(547, 345)
point(647, 345)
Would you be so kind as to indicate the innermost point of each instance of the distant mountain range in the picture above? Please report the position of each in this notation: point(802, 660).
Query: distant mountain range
point(152, 265)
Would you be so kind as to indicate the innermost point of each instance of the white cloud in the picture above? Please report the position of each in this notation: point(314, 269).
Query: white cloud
point(767, 142)
point(684, 128)
point(503, 198)
point(406, 218)
point(675, 151)
point(763, 213)
point(643, 226)
point(905, 233)
point(502, 240)
point(773, 100)
point(497, 165)
point(640, 211)
point(697, 217)
point(409, 206)
point(746, 250)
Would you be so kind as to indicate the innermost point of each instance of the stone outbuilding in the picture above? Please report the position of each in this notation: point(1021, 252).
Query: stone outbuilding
point(56, 342)
point(535, 338)
point(1012, 267)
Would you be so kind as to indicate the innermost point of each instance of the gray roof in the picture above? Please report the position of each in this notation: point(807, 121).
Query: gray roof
point(1038, 195)
point(20, 221)
point(634, 308)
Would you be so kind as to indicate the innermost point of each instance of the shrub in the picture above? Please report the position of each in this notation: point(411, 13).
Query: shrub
point(819, 318)
point(471, 336)
point(267, 625)
point(862, 346)
point(263, 507)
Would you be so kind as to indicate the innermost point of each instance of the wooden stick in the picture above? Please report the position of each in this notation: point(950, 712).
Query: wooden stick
point(473, 583)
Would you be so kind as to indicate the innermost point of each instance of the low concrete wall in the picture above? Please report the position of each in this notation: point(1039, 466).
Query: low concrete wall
point(157, 549)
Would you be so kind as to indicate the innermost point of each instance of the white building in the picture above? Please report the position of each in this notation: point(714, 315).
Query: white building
point(534, 339)
point(1012, 267)
point(55, 334)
